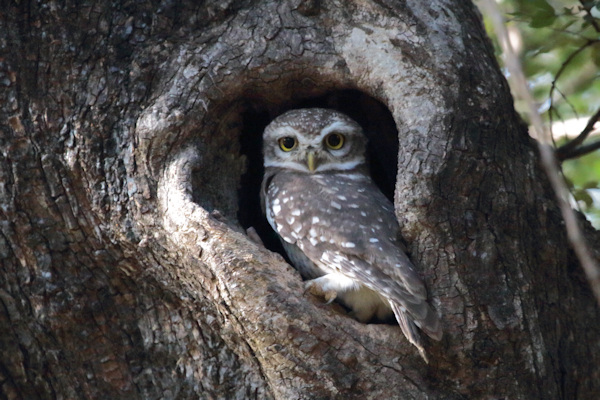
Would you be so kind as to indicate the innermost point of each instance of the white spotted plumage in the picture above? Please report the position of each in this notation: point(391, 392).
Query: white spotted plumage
point(336, 226)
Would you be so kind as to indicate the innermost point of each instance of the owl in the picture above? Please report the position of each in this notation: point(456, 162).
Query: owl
point(336, 226)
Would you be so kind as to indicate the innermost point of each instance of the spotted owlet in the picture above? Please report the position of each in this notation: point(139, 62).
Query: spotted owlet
point(336, 226)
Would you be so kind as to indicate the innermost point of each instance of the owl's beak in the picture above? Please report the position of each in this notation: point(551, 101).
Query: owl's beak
point(310, 161)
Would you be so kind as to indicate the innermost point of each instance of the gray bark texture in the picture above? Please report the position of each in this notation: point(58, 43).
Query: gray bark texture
point(130, 137)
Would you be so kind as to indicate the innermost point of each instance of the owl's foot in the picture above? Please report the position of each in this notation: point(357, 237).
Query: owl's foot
point(318, 288)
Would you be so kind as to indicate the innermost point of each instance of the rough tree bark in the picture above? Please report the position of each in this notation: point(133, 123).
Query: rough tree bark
point(130, 163)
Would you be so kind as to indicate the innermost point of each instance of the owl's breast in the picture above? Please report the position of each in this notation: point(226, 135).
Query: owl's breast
point(332, 210)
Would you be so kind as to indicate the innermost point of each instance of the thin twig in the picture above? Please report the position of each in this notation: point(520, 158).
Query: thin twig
point(567, 150)
point(579, 35)
point(554, 86)
point(549, 161)
point(566, 63)
point(553, 110)
point(571, 106)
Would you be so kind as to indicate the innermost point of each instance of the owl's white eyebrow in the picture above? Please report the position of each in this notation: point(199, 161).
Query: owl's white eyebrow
point(287, 131)
point(339, 126)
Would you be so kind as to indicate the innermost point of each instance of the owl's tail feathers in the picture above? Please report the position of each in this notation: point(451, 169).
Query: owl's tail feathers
point(430, 325)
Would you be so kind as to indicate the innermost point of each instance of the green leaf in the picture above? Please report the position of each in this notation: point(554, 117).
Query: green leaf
point(591, 185)
point(583, 195)
point(541, 20)
point(569, 183)
point(595, 55)
point(541, 13)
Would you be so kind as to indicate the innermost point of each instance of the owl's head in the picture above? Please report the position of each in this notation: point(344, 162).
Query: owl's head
point(314, 140)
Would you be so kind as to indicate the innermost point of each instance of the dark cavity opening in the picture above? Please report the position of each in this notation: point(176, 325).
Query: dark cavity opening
point(374, 117)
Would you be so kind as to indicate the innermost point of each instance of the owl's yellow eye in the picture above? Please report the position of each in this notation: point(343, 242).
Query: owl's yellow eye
point(335, 141)
point(288, 143)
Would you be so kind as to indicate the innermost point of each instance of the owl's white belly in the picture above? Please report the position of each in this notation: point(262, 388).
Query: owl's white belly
point(365, 303)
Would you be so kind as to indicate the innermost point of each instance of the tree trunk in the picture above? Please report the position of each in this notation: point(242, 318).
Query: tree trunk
point(130, 167)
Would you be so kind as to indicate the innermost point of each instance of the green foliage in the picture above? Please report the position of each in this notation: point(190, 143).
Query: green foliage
point(538, 13)
point(560, 48)
point(559, 45)
point(583, 177)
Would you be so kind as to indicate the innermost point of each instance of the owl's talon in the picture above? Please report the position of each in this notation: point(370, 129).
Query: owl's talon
point(330, 296)
point(316, 289)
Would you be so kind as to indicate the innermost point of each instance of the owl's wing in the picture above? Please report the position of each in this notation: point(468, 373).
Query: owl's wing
point(396, 263)
point(392, 277)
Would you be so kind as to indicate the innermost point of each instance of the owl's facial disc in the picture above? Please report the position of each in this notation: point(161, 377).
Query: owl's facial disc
point(314, 141)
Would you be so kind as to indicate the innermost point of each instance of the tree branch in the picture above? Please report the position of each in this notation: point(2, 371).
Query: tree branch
point(570, 149)
point(549, 161)
point(591, 19)
point(581, 151)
